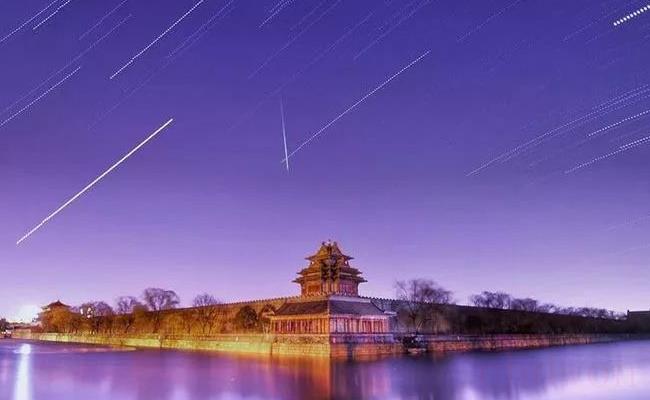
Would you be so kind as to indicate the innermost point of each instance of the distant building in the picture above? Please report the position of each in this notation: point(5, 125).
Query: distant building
point(329, 301)
point(20, 325)
point(638, 316)
point(54, 306)
point(48, 309)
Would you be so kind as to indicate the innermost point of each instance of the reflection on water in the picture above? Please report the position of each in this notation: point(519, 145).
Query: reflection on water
point(22, 386)
point(57, 372)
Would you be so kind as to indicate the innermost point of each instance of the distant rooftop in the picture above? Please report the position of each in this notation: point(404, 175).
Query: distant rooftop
point(56, 304)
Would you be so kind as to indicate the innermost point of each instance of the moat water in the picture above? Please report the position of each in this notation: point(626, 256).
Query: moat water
point(30, 370)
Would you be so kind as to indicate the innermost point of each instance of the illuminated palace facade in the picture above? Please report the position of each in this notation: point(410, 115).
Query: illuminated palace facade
point(329, 301)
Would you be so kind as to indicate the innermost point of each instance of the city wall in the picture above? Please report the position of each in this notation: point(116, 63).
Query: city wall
point(447, 328)
point(451, 319)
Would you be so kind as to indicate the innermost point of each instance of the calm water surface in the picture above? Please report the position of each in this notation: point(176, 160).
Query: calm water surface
point(57, 371)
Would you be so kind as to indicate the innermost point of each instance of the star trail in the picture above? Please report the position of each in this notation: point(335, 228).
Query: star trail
point(473, 138)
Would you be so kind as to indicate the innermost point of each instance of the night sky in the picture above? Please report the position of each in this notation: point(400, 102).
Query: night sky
point(461, 169)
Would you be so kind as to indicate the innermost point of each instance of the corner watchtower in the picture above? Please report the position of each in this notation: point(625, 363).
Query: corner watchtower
point(329, 273)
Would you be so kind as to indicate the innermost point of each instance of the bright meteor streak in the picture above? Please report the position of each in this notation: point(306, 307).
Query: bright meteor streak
point(353, 106)
point(284, 134)
point(91, 184)
point(141, 52)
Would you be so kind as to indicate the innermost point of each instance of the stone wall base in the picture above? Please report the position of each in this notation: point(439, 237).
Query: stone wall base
point(325, 346)
point(510, 342)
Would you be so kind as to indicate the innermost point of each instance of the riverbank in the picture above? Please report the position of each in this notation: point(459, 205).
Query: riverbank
point(334, 346)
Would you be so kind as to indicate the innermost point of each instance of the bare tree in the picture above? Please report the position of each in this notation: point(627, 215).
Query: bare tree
point(246, 319)
point(157, 300)
point(141, 318)
point(95, 309)
point(206, 311)
point(588, 312)
point(592, 312)
point(99, 314)
point(4, 325)
point(491, 300)
point(566, 311)
point(126, 304)
point(126, 307)
point(525, 304)
point(264, 317)
point(505, 301)
point(420, 298)
point(548, 308)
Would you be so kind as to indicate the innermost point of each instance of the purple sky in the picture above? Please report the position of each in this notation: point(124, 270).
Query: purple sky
point(206, 206)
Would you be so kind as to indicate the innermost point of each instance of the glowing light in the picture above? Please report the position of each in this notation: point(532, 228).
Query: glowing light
point(22, 387)
point(27, 313)
point(24, 349)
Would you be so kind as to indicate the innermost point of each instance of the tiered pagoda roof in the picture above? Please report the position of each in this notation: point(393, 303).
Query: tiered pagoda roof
point(329, 306)
point(329, 302)
point(329, 272)
point(56, 304)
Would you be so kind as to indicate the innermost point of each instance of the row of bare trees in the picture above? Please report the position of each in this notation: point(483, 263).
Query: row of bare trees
point(156, 312)
point(426, 291)
point(505, 301)
point(146, 312)
point(423, 305)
